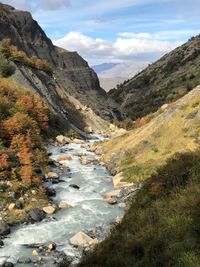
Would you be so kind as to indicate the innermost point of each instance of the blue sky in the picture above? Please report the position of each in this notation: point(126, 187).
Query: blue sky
point(115, 30)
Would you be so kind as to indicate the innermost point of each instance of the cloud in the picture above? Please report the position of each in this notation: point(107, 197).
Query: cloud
point(38, 4)
point(125, 47)
point(164, 35)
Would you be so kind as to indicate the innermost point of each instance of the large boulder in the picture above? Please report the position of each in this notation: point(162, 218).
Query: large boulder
point(63, 157)
point(36, 215)
point(82, 240)
point(52, 175)
point(63, 139)
point(4, 228)
point(49, 209)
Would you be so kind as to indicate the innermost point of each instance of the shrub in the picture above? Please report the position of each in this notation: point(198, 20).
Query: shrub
point(11, 53)
point(6, 69)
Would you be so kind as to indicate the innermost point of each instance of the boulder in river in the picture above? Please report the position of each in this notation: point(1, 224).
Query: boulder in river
point(4, 228)
point(63, 140)
point(49, 209)
point(63, 157)
point(52, 175)
point(51, 192)
point(74, 186)
point(36, 215)
point(78, 141)
point(111, 200)
point(82, 240)
point(64, 206)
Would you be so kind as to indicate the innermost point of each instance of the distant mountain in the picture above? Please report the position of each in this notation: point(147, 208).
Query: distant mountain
point(162, 82)
point(103, 67)
point(111, 74)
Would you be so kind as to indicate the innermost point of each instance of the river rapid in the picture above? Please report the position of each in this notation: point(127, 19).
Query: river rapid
point(89, 208)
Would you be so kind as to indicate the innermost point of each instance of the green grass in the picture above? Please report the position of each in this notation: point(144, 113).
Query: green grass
point(162, 226)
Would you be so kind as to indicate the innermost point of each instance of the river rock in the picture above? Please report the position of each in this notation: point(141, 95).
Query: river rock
point(51, 192)
point(78, 141)
point(82, 240)
point(64, 206)
point(4, 228)
point(111, 200)
point(49, 209)
point(36, 214)
point(52, 175)
point(34, 253)
point(74, 186)
point(11, 207)
point(63, 157)
point(8, 264)
point(119, 219)
point(1, 243)
point(63, 139)
point(24, 260)
point(111, 193)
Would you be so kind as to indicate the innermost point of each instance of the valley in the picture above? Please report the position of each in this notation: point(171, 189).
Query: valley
point(90, 178)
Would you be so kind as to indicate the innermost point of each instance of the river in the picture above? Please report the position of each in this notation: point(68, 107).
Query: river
point(89, 209)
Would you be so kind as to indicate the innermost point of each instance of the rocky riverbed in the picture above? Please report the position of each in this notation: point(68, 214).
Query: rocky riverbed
point(80, 212)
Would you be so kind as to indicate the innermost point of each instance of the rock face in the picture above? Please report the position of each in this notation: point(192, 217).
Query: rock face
point(73, 82)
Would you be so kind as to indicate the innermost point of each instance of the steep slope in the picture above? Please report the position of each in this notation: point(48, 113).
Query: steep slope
point(164, 81)
point(173, 128)
point(73, 90)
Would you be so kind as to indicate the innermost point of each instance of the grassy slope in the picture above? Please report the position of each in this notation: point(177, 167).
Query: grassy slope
point(141, 151)
point(162, 227)
point(163, 81)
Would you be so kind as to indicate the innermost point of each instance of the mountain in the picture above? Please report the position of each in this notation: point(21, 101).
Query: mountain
point(73, 90)
point(112, 74)
point(108, 83)
point(162, 82)
point(103, 67)
point(161, 225)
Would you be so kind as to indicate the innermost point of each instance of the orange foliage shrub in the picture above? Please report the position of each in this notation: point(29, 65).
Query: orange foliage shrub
point(11, 53)
point(23, 120)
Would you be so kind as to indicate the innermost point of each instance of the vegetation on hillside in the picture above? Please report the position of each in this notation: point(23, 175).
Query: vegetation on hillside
point(162, 226)
point(156, 137)
point(23, 122)
point(162, 82)
point(9, 53)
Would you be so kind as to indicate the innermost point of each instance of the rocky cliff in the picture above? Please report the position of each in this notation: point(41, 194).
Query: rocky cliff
point(73, 89)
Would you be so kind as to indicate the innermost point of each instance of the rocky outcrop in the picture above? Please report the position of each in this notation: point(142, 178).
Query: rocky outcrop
point(73, 90)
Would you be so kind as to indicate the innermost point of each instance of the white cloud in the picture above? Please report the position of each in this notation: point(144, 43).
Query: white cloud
point(164, 35)
point(38, 5)
point(123, 48)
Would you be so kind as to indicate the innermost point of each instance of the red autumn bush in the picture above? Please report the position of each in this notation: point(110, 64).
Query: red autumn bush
point(23, 121)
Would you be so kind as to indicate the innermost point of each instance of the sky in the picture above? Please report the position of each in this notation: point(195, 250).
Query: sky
point(105, 31)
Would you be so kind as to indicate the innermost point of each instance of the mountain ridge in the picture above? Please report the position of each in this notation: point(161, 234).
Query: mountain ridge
point(162, 82)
